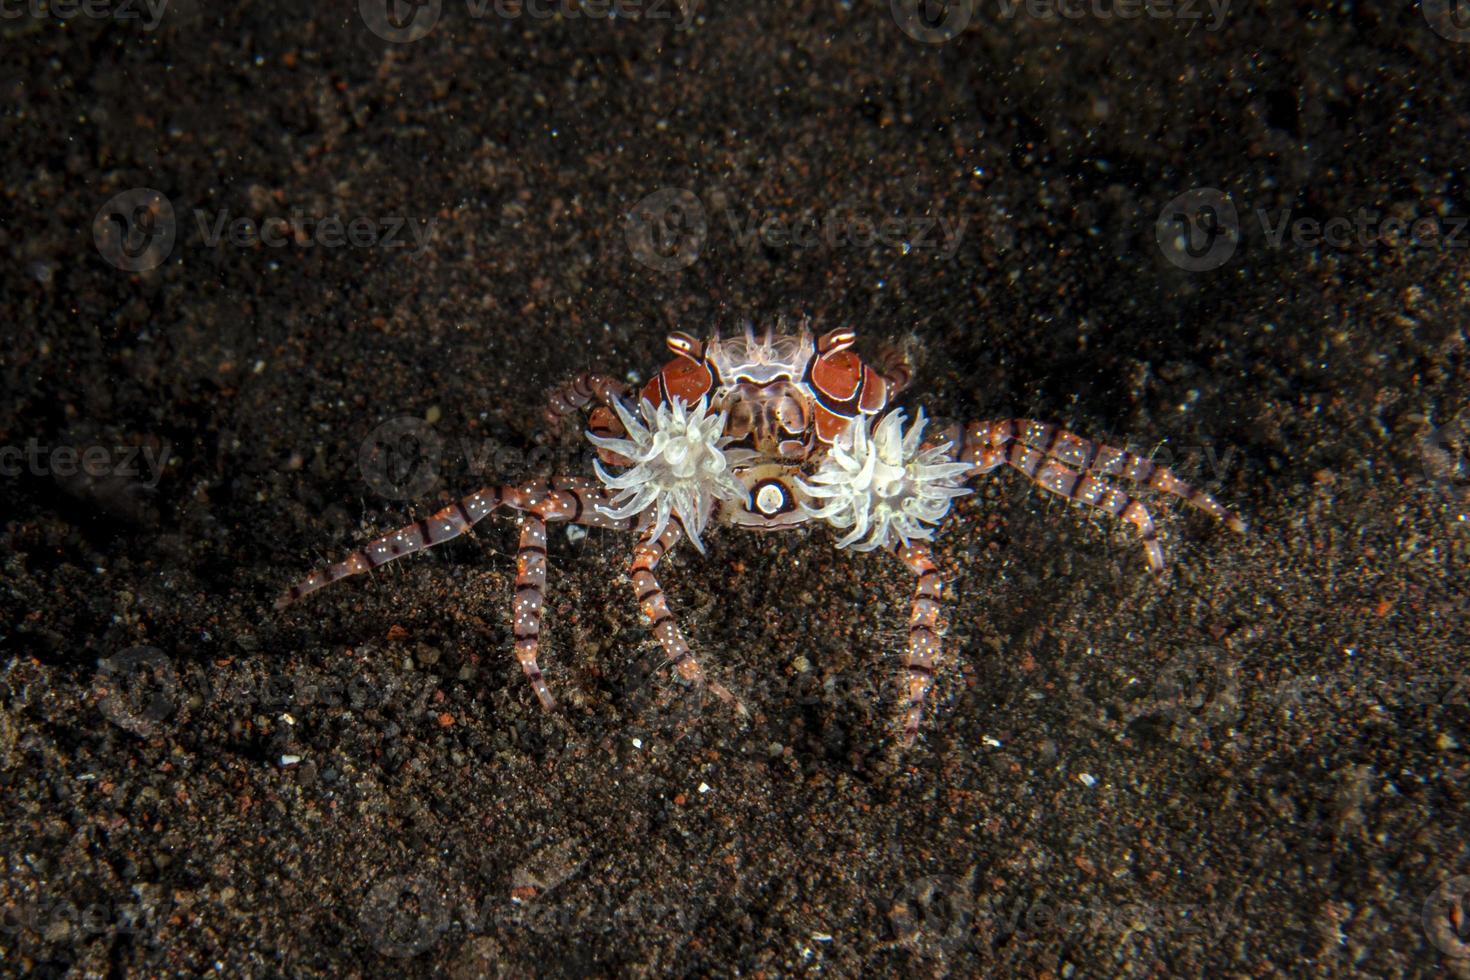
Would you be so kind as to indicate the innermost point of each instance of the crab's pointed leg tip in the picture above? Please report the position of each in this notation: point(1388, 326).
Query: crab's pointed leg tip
point(723, 693)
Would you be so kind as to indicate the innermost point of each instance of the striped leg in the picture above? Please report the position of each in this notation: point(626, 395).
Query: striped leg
point(923, 650)
point(646, 556)
point(450, 522)
point(896, 363)
point(577, 393)
point(526, 611)
point(1040, 449)
point(559, 499)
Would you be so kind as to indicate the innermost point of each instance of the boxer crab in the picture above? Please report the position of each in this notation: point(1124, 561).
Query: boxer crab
point(768, 434)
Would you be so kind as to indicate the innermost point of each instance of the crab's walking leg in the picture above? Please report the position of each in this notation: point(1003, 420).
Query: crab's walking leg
point(560, 499)
point(1026, 445)
point(450, 522)
point(923, 650)
point(577, 393)
point(563, 499)
point(646, 556)
point(526, 611)
point(895, 362)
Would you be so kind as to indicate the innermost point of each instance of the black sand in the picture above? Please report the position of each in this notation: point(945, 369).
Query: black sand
point(1256, 765)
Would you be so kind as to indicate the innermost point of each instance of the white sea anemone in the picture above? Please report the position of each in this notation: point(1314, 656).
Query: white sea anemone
point(680, 466)
point(884, 484)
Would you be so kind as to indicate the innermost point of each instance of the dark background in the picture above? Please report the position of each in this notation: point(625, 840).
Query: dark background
point(1256, 764)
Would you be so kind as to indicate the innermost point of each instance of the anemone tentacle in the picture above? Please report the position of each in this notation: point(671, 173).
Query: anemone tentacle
point(680, 466)
point(885, 484)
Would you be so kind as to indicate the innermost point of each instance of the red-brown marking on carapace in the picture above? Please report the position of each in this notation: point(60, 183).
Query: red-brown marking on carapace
point(842, 386)
point(833, 382)
point(687, 377)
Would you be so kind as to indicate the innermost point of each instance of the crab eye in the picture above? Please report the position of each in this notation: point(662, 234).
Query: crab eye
point(837, 340)
point(682, 344)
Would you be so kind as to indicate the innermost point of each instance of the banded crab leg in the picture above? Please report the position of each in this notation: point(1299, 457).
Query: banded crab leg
point(570, 499)
point(921, 659)
point(646, 556)
point(602, 421)
point(577, 393)
point(895, 362)
point(529, 600)
point(1047, 454)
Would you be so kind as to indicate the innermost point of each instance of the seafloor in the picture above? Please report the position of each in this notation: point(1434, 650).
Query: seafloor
point(1253, 765)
